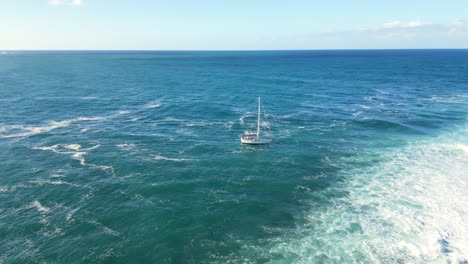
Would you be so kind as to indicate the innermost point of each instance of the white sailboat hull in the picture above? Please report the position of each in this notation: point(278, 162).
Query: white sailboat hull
point(255, 141)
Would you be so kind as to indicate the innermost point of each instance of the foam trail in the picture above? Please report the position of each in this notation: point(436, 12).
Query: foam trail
point(12, 131)
point(76, 152)
point(56, 182)
point(158, 157)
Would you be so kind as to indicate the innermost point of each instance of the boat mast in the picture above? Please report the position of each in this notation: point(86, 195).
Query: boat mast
point(258, 120)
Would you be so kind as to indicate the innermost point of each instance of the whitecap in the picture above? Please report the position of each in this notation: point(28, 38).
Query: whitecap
point(152, 105)
point(365, 106)
point(159, 157)
point(462, 147)
point(126, 146)
point(75, 147)
point(40, 207)
point(172, 119)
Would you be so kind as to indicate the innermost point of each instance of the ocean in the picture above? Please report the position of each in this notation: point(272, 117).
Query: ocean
point(134, 157)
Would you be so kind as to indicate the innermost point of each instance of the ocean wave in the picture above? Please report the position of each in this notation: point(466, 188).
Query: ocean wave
point(152, 105)
point(172, 119)
point(12, 131)
point(41, 182)
point(365, 106)
point(104, 228)
point(382, 124)
point(454, 99)
point(70, 213)
point(36, 204)
point(76, 152)
point(159, 157)
point(202, 124)
point(123, 112)
point(188, 148)
point(126, 146)
point(410, 207)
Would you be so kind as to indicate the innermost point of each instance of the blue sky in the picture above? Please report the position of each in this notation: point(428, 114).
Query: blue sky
point(236, 24)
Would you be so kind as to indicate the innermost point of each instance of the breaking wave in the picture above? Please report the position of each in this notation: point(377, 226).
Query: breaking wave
point(409, 208)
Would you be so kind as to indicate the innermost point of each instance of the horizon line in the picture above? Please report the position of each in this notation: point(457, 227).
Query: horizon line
point(202, 50)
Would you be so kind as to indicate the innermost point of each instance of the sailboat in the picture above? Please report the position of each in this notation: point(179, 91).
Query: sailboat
point(253, 138)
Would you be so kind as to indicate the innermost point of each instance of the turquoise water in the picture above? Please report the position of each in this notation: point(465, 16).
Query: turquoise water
point(134, 157)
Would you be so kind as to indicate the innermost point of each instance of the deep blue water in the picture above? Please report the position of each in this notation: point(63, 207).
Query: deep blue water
point(134, 157)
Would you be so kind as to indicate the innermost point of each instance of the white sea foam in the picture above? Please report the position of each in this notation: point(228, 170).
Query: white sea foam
point(76, 152)
point(192, 124)
point(365, 106)
point(410, 208)
point(75, 147)
point(462, 147)
point(172, 119)
point(12, 131)
point(70, 214)
point(53, 182)
point(152, 105)
point(159, 157)
point(188, 148)
point(229, 125)
point(105, 229)
point(241, 119)
point(40, 207)
point(454, 99)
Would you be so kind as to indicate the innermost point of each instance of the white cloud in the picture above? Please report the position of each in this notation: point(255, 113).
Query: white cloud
point(416, 23)
point(459, 27)
point(65, 2)
point(398, 24)
point(392, 24)
point(393, 34)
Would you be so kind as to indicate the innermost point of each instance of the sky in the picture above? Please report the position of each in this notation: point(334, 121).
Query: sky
point(232, 24)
